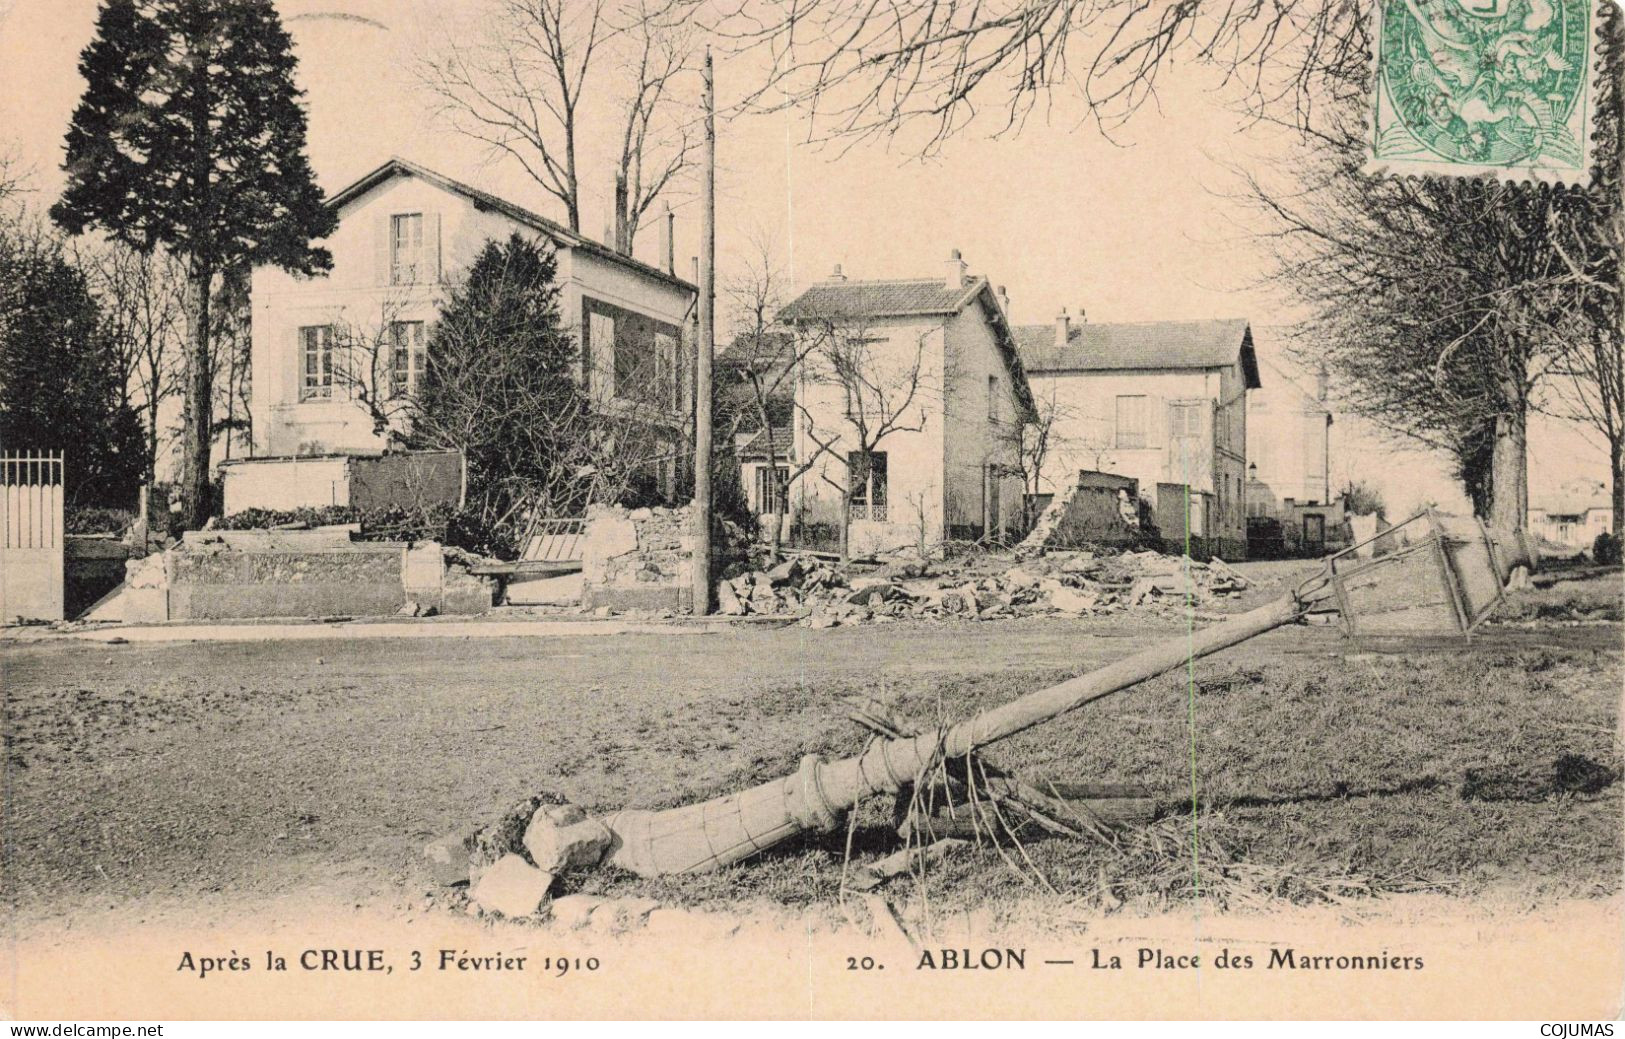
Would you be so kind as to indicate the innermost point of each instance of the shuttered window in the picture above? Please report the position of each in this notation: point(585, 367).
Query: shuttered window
point(316, 362)
point(1131, 411)
point(406, 255)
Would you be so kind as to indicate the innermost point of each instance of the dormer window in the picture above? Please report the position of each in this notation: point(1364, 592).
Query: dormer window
point(406, 249)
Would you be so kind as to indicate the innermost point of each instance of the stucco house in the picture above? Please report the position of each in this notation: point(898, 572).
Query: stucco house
point(405, 235)
point(1574, 515)
point(924, 371)
point(1163, 402)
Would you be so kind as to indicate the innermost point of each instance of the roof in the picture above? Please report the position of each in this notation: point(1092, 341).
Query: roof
point(1141, 345)
point(398, 167)
point(846, 300)
point(744, 349)
point(783, 440)
point(914, 297)
point(1571, 506)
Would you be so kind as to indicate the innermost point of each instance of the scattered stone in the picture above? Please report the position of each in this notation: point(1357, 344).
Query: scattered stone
point(448, 859)
point(512, 887)
point(555, 847)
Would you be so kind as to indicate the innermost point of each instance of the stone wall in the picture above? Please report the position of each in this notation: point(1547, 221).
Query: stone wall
point(1099, 509)
point(220, 575)
point(638, 559)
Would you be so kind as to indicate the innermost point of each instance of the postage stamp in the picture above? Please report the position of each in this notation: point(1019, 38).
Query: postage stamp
point(1474, 87)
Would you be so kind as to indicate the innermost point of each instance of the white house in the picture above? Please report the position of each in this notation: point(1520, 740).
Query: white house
point(1289, 449)
point(1164, 402)
point(932, 361)
point(405, 235)
point(1574, 515)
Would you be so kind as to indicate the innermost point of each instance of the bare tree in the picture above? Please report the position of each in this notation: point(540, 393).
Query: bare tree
point(1439, 305)
point(378, 360)
point(877, 387)
point(765, 359)
point(142, 297)
point(525, 91)
point(870, 69)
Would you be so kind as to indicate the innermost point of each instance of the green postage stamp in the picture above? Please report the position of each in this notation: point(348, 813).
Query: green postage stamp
point(1475, 87)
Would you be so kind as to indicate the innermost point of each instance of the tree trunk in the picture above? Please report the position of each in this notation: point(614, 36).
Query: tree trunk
point(1616, 464)
point(195, 497)
point(1509, 472)
point(846, 523)
point(623, 227)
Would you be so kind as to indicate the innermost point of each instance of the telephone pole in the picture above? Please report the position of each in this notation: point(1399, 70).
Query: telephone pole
point(705, 350)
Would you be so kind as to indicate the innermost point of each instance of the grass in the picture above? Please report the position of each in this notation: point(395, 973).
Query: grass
point(140, 775)
point(1455, 774)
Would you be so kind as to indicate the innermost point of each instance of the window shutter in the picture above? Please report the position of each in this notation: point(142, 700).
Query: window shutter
point(296, 350)
point(381, 249)
point(431, 246)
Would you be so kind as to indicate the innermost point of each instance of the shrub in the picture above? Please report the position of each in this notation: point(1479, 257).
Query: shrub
point(1605, 550)
point(93, 520)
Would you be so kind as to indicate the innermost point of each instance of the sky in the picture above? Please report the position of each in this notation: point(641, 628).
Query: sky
point(1133, 228)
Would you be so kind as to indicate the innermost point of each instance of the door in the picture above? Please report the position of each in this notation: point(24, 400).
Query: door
point(1314, 534)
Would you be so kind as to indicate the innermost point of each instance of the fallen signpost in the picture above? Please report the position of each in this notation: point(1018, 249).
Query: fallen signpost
point(1437, 574)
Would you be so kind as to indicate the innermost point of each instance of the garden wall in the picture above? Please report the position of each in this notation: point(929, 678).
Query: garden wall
point(638, 559)
point(223, 575)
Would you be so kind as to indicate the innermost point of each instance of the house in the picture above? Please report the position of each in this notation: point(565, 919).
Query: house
point(1163, 402)
point(404, 236)
point(1574, 515)
point(749, 364)
point(766, 459)
point(1289, 448)
point(924, 373)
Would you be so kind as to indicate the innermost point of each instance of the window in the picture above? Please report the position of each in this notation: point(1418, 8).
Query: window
point(1185, 420)
point(405, 248)
point(1131, 421)
point(601, 344)
point(666, 369)
point(867, 480)
point(316, 362)
point(407, 357)
point(772, 488)
point(993, 398)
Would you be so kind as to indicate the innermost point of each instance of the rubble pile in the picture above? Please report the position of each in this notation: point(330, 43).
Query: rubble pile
point(824, 595)
point(510, 867)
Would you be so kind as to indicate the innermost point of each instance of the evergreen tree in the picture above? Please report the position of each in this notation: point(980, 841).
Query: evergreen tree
point(500, 385)
point(60, 377)
point(190, 135)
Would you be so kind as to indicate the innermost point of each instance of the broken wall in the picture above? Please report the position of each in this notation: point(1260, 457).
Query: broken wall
point(638, 559)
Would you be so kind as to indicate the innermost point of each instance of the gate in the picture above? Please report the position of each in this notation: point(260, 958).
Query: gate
point(31, 537)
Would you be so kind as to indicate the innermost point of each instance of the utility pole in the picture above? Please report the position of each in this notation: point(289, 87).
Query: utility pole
point(705, 349)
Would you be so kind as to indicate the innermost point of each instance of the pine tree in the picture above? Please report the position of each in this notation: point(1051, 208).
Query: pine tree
point(60, 378)
point(190, 135)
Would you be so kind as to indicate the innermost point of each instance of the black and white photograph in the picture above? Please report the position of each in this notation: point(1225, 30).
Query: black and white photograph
point(876, 510)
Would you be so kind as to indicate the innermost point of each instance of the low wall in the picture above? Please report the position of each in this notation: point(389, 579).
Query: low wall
point(225, 575)
point(638, 559)
point(406, 479)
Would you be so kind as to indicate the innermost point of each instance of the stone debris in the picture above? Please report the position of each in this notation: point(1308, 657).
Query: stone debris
point(555, 844)
point(512, 887)
point(821, 594)
point(448, 859)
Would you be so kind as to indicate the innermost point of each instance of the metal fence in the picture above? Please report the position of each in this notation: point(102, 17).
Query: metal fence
point(32, 538)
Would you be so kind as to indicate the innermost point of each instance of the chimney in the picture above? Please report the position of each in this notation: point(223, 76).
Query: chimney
point(1004, 300)
point(956, 271)
point(1322, 381)
point(836, 274)
point(668, 245)
point(1063, 328)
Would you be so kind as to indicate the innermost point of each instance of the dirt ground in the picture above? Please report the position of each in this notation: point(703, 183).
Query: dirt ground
point(146, 780)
